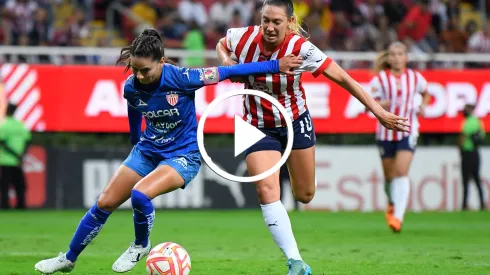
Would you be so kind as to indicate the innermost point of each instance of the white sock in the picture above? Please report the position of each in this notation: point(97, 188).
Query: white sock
point(400, 191)
point(277, 220)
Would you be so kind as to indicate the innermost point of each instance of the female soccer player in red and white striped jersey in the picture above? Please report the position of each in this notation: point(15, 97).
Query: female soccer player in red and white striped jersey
point(397, 88)
point(280, 35)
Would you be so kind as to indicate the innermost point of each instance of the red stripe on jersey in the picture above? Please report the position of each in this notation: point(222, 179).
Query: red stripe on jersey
point(303, 94)
point(323, 67)
point(267, 113)
point(381, 84)
point(407, 99)
point(398, 97)
point(276, 79)
point(389, 98)
point(243, 41)
point(251, 99)
point(290, 80)
point(382, 131)
point(276, 89)
point(413, 96)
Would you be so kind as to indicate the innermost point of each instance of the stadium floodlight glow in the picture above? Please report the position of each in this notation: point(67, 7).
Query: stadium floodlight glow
point(216, 168)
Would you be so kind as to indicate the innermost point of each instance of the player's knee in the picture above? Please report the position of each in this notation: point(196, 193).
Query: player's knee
point(268, 192)
point(304, 196)
point(401, 172)
point(106, 203)
point(138, 199)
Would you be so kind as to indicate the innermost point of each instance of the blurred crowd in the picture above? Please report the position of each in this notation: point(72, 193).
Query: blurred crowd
point(341, 25)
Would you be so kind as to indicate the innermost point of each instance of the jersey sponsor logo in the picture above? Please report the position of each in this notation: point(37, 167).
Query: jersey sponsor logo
point(172, 99)
point(182, 161)
point(164, 125)
point(210, 75)
point(310, 53)
point(163, 140)
point(161, 113)
point(260, 86)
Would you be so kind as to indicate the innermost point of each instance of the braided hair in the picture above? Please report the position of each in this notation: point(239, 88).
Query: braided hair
point(149, 44)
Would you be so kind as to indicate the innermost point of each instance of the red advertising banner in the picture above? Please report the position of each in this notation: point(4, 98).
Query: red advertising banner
point(89, 99)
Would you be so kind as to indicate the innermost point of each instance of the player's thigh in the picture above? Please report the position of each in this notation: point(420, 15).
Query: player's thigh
point(301, 166)
point(118, 190)
point(387, 151)
point(404, 155)
point(389, 170)
point(301, 161)
point(171, 174)
point(402, 162)
point(268, 189)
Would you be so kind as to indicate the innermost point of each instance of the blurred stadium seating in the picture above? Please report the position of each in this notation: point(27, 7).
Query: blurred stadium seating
point(343, 28)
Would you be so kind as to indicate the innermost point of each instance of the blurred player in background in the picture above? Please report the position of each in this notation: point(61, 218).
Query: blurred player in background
point(14, 141)
point(166, 156)
point(396, 88)
point(278, 36)
point(472, 135)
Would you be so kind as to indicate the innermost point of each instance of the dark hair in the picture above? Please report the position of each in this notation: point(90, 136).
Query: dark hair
point(288, 4)
point(11, 109)
point(148, 44)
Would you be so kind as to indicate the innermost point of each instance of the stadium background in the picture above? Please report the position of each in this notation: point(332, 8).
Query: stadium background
point(57, 62)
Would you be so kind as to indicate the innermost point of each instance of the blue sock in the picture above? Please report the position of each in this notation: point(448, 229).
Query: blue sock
point(143, 216)
point(87, 230)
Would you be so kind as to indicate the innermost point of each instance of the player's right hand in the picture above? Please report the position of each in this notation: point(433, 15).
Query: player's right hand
point(231, 62)
point(393, 122)
point(289, 62)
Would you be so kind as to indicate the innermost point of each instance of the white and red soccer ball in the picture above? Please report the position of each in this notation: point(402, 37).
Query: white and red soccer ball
point(168, 259)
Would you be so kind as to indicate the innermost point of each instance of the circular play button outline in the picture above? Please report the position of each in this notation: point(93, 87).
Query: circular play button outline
point(223, 173)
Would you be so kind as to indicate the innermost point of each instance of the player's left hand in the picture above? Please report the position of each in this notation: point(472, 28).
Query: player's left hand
point(393, 122)
point(289, 62)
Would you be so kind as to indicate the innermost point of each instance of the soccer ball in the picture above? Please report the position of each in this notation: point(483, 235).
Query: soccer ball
point(168, 258)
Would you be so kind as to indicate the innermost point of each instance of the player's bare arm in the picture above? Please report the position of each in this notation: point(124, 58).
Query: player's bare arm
point(393, 122)
point(425, 101)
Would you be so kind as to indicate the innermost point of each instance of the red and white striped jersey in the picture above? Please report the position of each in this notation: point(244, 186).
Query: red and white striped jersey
point(402, 92)
point(246, 44)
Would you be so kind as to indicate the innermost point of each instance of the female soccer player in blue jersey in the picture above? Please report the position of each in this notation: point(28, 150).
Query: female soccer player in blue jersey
point(166, 156)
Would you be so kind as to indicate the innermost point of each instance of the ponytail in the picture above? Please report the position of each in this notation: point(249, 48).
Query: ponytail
point(296, 27)
point(381, 62)
point(148, 44)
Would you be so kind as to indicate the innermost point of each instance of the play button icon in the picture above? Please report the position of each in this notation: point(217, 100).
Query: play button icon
point(245, 135)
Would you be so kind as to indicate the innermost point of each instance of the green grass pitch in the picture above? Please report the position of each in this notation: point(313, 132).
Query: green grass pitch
point(238, 242)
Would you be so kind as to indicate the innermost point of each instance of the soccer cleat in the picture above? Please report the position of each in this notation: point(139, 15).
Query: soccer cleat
point(298, 267)
point(395, 225)
point(389, 213)
point(53, 265)
point(131, 257)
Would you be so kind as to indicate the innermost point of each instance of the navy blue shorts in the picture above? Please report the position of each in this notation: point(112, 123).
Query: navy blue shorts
point(187, 166)
point(276, 138)
point(388, 149)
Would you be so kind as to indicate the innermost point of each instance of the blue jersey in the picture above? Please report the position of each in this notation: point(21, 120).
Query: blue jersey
point(169, 110)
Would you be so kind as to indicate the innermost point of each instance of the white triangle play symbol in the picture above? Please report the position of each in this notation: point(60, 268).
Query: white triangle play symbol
point(245, 135)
